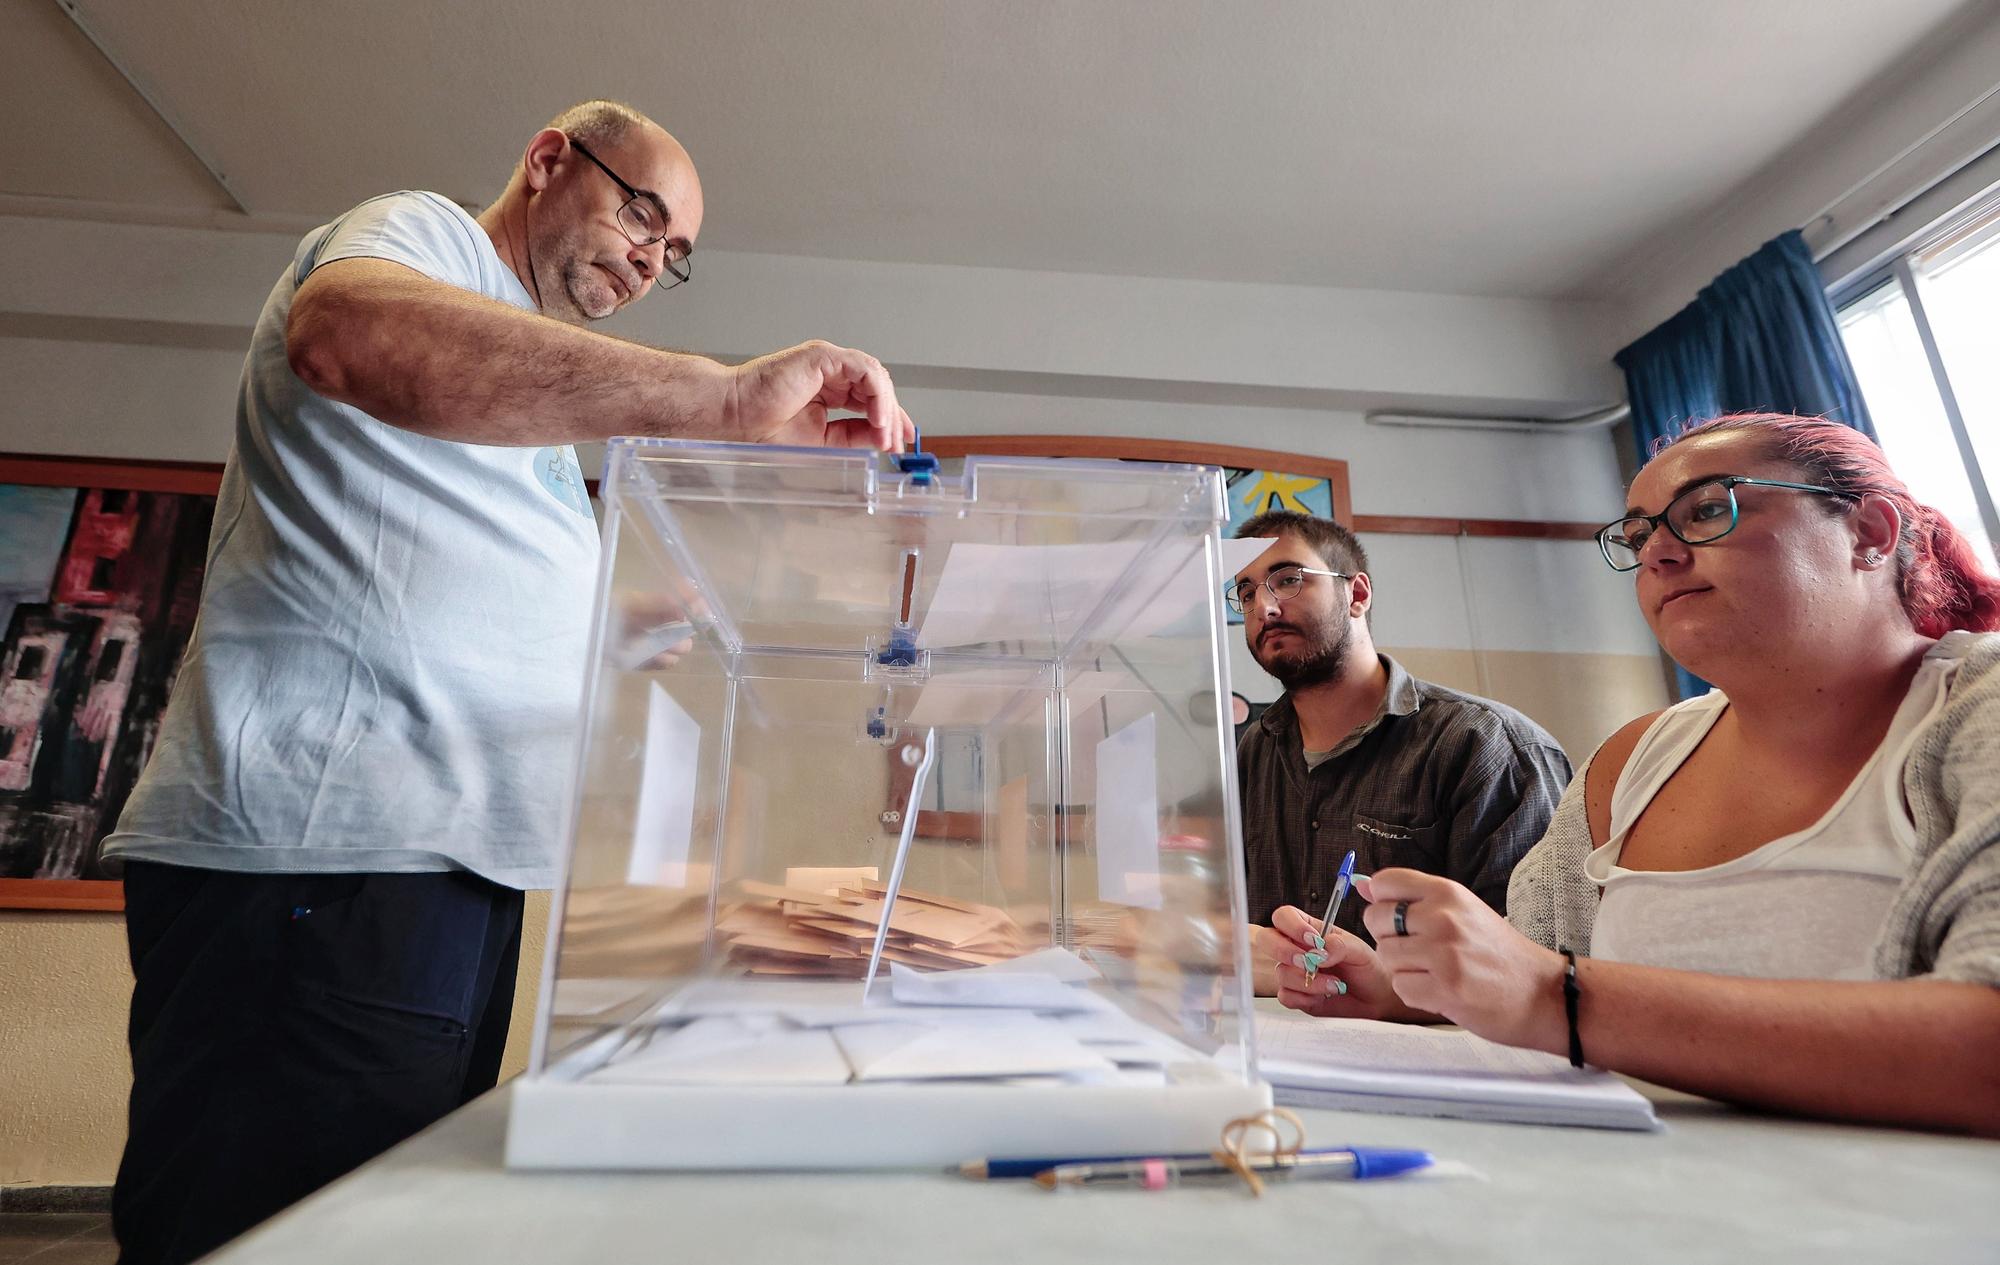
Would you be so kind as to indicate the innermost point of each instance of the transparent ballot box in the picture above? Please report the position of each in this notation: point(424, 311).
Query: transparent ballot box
point(904, 829)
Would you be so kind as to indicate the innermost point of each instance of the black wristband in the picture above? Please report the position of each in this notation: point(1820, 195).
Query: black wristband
point(1570, 994)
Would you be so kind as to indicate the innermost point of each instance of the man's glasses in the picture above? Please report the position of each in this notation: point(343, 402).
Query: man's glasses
point(1701, 515)
point(643, 219)
point(1282, 584)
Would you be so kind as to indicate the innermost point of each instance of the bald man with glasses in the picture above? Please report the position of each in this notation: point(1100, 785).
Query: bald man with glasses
point(1358, 754)
point(364, 761)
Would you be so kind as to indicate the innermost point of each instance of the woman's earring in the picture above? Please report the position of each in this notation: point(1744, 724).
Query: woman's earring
point(1872, 558)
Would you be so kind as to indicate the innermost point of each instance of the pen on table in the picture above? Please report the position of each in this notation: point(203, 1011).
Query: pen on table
point(1341, 883)
point(999, 1170)
point(1356, 1164)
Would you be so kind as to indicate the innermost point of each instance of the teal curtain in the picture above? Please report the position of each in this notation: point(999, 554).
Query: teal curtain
point(1761, 338)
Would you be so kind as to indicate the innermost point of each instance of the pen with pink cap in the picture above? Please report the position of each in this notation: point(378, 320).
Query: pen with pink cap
point(1355, 1164)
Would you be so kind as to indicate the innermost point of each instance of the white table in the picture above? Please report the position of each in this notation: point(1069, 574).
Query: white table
point(1718, 1185)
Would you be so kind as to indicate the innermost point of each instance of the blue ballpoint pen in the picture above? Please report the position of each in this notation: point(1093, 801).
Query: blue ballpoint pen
point(1341, 882)
point(1355, 1164)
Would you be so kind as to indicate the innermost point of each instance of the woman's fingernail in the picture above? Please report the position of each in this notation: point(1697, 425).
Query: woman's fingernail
point(1335, 985)
point(1318, 941)
point(1301, 961)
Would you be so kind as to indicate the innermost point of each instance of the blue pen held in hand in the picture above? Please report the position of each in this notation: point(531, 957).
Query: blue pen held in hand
point(1311, 961)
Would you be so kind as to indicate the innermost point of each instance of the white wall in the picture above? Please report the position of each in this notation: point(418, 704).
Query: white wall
point(1351, 345)
point(117, 400)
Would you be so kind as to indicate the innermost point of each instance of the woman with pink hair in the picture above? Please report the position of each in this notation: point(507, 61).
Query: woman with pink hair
point(1786, 892)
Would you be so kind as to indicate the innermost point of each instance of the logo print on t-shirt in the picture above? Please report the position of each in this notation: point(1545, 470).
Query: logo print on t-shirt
point(563, 477)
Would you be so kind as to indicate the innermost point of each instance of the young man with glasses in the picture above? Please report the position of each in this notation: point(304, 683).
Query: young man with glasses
point(1358, 754)
point(364, 760)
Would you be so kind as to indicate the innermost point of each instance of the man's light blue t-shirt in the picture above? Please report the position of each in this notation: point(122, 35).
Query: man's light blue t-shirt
point(388, 665)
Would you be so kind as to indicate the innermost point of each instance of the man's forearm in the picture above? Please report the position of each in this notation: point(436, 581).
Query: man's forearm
point(454, 365)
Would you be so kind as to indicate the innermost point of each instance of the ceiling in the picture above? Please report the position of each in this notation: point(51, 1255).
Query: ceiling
point(1523, 148)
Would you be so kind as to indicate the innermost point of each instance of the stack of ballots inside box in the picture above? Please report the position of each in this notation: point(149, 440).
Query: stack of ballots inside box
point(792, 931)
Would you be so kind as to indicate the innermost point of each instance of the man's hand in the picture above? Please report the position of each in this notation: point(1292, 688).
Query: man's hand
point(646, 617)
point(784, 398)
point(1465, 962)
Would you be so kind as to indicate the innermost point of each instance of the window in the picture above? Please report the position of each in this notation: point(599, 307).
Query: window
point(103, 574)
point(1916, 331)
point(29, 666)
point(108, 660)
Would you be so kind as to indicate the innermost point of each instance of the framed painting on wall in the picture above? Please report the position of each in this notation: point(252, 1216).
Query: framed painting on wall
point(100, 578)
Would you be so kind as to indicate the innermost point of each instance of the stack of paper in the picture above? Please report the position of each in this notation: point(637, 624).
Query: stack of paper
point(628, 931)
point(793, 931)
point(1018, 1045)
point(1005, 1024)
point(731, 1050)
point(1103, 926)
point(1404, 1069)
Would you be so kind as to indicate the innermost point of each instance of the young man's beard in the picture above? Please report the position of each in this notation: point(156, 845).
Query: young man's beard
point(1321, 664)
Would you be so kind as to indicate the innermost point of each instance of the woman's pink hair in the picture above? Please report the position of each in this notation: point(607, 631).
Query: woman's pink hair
point(1943, 585)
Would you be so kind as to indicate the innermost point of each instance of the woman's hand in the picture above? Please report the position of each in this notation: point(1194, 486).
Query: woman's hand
point(1458, 958)
point(1347, 982)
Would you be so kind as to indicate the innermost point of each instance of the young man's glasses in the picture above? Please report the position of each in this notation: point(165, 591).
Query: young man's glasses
point(643, 219)
point(1282, 583)
point(1701, 515)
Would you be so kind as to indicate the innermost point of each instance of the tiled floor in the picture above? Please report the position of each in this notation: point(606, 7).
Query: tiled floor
point(57, 1238)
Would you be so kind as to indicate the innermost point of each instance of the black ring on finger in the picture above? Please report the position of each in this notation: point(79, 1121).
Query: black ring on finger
point(1402, 915)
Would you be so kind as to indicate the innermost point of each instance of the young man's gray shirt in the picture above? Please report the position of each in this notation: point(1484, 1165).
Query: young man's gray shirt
point(1439, 781)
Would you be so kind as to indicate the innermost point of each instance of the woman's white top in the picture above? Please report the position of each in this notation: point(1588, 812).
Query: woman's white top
point(1807, 905)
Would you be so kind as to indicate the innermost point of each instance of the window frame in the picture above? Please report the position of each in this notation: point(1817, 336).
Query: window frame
point(1900, 271)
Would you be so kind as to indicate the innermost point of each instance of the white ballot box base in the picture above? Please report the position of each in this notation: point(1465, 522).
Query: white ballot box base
point(556, 1124)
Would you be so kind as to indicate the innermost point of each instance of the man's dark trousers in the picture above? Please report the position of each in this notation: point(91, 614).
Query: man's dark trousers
point(288, 1028)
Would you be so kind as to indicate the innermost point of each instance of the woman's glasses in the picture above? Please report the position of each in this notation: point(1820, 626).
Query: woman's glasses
point(1702, 515)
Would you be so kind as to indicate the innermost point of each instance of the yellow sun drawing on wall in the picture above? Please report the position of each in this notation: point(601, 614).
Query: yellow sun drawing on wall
point(1279, 491)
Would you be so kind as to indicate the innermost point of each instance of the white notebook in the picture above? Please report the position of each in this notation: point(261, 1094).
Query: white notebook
point(1409, 1070)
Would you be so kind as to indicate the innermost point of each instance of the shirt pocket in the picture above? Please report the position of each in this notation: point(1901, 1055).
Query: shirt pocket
point(1407, 844)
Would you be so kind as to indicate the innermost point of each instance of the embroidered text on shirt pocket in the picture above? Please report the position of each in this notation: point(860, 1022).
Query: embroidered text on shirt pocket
point(1421, 840)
